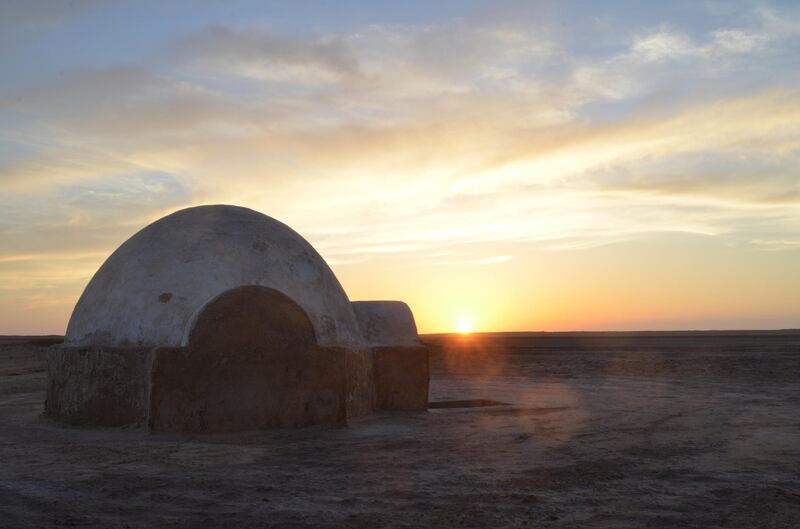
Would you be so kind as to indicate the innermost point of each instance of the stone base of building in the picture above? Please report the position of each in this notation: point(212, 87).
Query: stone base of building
point(98, 387)
point(401, 378)
point(250, 362)
point(177, 389)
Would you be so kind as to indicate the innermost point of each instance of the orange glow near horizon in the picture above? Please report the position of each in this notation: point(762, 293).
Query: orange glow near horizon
point(465, 326)
point(658, 283)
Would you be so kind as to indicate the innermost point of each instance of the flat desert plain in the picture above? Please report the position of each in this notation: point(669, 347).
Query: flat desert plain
point(525, 430)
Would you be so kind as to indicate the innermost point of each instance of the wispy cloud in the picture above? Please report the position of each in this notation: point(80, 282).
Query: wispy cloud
point(418, 139)
point(254, 53)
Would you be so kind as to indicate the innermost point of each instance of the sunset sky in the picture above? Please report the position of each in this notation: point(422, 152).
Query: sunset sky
point(513, 165)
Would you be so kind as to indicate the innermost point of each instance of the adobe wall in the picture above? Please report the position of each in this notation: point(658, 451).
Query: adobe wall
point(360, 367)
point(98, 387)
point(402, 377)
point(251, 362)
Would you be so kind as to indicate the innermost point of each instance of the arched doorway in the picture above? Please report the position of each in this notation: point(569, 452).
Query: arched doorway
point(251, 362)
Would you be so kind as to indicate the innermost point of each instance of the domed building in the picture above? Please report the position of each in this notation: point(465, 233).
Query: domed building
point(219, 318)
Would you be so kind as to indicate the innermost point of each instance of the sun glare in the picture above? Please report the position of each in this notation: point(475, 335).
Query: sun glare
point(465, 326)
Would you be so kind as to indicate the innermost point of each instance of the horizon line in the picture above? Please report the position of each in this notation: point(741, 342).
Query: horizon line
point(455, 333)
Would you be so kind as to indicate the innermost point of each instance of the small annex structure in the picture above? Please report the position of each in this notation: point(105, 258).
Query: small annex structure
point(219, 319)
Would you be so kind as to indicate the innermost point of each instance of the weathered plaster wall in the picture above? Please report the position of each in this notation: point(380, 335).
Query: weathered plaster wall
point(360, 366)
point(98, 387)
point(402, 376)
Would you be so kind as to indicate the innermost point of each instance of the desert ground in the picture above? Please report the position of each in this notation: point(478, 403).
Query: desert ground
point(525, 430)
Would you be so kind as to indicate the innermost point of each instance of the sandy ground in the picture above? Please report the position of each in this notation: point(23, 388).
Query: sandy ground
point(598, 431)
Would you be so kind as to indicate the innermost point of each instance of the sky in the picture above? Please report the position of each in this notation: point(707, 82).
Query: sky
point(497, 165)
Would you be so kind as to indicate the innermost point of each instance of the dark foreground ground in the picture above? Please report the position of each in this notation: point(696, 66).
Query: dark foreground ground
point(598, 430)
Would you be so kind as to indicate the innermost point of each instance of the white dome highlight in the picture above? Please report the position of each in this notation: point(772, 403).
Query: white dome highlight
point(148, 290)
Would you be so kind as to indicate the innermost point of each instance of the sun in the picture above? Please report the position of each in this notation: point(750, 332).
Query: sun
point(465, 326)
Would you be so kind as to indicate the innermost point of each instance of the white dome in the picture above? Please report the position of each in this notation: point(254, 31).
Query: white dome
point(150, 288)
point(386, 323)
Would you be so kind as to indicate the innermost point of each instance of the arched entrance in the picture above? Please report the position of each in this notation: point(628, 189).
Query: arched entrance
point(250, 362)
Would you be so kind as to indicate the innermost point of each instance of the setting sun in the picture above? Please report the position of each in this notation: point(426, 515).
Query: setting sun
point(465, 326)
